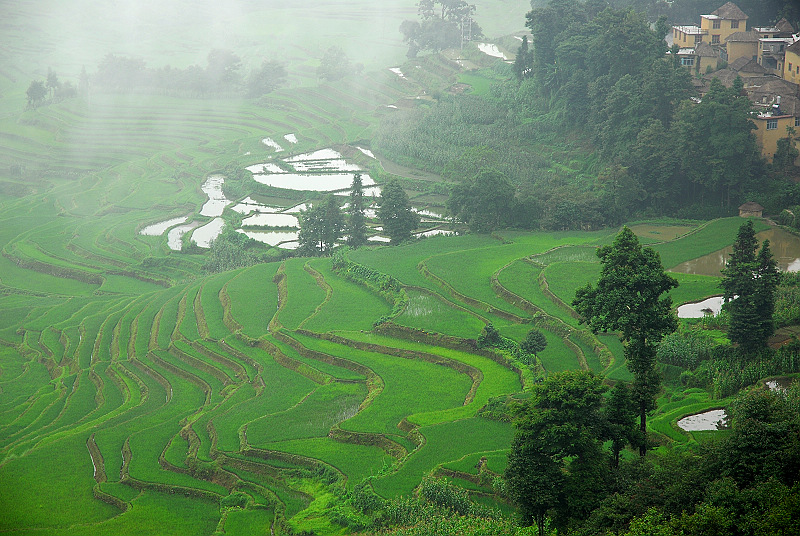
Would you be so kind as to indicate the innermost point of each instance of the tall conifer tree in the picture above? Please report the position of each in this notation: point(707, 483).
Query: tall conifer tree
point(356, 228)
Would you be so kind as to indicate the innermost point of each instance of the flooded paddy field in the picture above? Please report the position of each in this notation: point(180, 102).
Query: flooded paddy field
point(785, 247)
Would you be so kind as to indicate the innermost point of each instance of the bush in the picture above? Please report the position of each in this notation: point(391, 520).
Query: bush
point(443, 494)
point(534, 342)
point(234, 500)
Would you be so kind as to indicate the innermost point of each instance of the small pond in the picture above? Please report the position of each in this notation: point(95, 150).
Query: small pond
point(157, 229)
point(373, 191)
point(271, 220)
point(779, 384)
point(709, 306)
point(266, 167)
point(398, 72)
point(269, 142)
point(429, 214)
point(297, 208)
point(491, 49)
point(315, 183)
point(321, 154)
point(434, 232)
point(291, 138)
point(203, 236)
point(708, 420)
point(175, 235)
point(216, 199)
point(377, 238)
point(366, 152)
point(317, 166)
point(248, 205)
point(273, 238)
point(785, 248)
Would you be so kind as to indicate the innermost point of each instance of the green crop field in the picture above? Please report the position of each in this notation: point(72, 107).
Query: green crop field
point(138, 388)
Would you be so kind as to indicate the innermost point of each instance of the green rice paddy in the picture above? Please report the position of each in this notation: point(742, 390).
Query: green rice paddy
point(137, 390)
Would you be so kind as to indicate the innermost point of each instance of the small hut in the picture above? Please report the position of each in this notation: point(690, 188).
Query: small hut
point(750, 209)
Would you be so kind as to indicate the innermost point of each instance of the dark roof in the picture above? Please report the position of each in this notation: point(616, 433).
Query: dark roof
point(746, 65)
point(784, 26)
point(743, 37)
point(705, 50)
point(773, 84)
point(751, 205)
point(794, 47)
point(730, 11)
point(726, 76)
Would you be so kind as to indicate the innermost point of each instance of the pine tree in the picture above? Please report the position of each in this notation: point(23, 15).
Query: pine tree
point(356, 222)
point(752, 279)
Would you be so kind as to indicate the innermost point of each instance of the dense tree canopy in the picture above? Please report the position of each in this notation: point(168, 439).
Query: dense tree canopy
point(267, 78)
point(484, 201)
point(321, 226)
point(557, 465)
point(223, 74)
point(442, 25)
point(395, 212)
point(36, 93)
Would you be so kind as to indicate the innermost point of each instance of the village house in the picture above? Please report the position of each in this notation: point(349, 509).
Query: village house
point(723, 22)
point(792, 71)
point(751, 209)
point(766, 58)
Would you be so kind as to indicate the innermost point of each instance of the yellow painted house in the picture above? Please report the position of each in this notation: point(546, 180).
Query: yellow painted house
point(687, 36)
point(741, 45)
point(771, 128)
point(723, 22)
point(791, 72)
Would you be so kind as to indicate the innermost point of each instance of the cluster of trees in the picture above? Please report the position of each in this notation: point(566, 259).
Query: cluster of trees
point(559, 471)
point(562, 477)
point(322, 225)
point(232, 250)
point(335, 65)
point(442, 24)
point(222, 75)
point(51, 89)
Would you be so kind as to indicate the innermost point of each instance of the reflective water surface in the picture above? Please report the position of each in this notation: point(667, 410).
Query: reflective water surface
point(785, 248)
point(708, 420)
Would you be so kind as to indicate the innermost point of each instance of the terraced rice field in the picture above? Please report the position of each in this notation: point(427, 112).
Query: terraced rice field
point(137, 390)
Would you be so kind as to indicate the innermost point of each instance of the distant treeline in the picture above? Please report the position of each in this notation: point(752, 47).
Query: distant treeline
point(223, 75)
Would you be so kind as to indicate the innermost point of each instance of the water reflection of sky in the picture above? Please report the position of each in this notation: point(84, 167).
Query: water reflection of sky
point(709, 420)
point(701, 309)
point(785, 248)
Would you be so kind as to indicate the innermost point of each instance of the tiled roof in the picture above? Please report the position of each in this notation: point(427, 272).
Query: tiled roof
point(746, 64)
point(730, 11)
point(743, 37)
point(784, 25)
point(705, 50)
